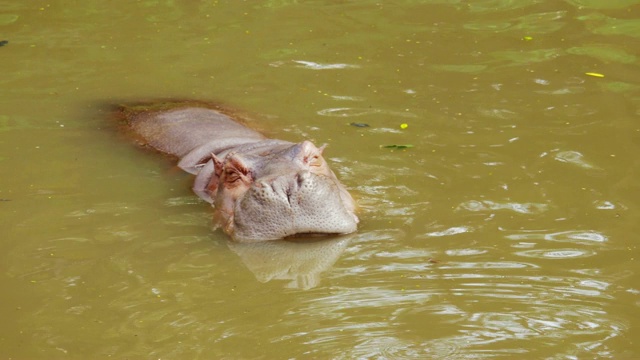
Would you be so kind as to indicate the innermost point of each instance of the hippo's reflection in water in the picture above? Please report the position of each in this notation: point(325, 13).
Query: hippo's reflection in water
point(301, 262)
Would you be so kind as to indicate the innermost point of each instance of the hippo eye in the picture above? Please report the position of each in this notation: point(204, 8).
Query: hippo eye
point(313, 160)
point(235, 169)
point(232, 176)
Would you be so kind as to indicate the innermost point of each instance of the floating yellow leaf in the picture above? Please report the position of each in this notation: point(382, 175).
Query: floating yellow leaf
point(527, 38)
point(594, 74)
point(404, 126)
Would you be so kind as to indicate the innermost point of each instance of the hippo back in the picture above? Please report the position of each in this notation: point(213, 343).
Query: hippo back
point(179, 131)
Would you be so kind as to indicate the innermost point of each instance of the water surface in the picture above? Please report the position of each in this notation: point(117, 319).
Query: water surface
point(507, 229)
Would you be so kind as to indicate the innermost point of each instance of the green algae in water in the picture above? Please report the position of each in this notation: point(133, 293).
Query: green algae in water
point(6, 19)
point(606, 53)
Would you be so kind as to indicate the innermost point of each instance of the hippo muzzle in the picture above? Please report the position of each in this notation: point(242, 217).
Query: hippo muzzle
point(303, 203)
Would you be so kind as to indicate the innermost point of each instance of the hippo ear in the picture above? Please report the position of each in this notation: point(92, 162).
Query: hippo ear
point(212, 186)
point(309, 154)
point(218, 164)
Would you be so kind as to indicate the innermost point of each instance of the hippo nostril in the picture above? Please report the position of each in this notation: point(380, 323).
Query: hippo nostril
point(301, 177)
point(288, 193)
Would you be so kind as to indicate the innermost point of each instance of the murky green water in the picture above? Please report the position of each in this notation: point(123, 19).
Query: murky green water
point(508, 230)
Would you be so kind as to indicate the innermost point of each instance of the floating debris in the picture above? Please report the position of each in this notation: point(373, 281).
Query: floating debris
point(357, 124)
point(406, 146)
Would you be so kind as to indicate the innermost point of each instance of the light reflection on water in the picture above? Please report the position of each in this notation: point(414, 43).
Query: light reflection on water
point(520, 301)
point(525, 317)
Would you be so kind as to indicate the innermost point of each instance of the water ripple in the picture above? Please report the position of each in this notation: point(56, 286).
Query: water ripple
point(487, 205)
point(311, 65)
point(351, 112)
point(575, 158)
point(318, 66)
point(574, 236)
point(556, 254)
point(450, 231)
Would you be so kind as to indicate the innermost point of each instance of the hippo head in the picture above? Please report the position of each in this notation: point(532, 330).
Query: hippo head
point(277, 190)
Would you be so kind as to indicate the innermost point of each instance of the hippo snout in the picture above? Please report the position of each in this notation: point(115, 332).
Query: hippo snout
point(295, 203)
point(285, 189)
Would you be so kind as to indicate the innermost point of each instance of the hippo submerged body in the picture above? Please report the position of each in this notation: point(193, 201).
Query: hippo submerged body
point(261, 189)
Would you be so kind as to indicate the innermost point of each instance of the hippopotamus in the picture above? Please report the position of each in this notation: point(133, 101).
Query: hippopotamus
point(260, 188)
